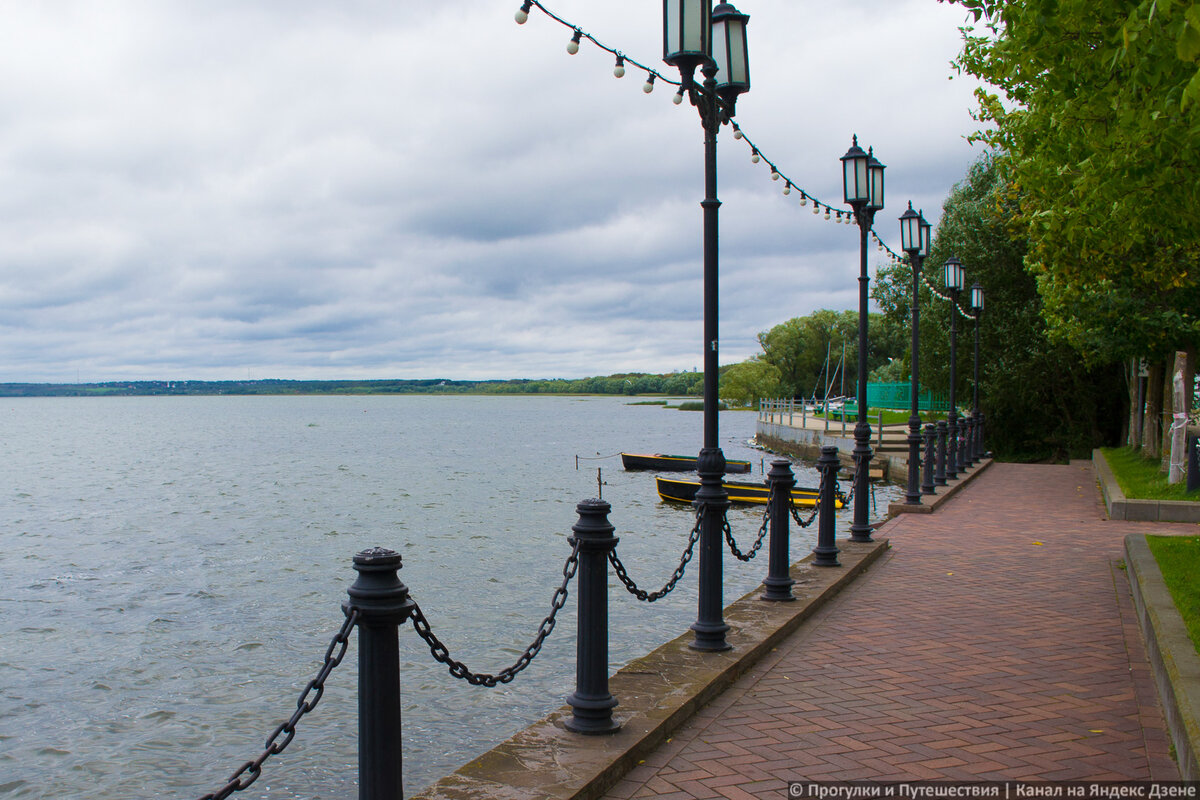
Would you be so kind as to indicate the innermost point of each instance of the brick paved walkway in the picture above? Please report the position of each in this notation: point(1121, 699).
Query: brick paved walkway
point(995, 641)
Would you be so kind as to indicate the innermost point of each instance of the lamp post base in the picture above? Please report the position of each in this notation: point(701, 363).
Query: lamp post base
point(860, 528)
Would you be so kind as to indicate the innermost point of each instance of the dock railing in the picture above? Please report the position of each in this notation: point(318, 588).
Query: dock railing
point(380, 604)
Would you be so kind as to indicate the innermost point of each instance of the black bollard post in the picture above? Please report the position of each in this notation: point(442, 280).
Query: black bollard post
point(930, 457)
point(383, 603)
point(826, 551)
point(591, 702)
point(779, 575)
point(939, 477)
point(966, 431)
point(1193, 464)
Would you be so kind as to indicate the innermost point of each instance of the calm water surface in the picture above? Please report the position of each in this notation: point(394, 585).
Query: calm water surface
point(172, 569)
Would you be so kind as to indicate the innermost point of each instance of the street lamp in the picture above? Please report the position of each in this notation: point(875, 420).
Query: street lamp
point(914, 240)
point(862, 184)
point(714, 40)
point(977, 438)
point(954, 277)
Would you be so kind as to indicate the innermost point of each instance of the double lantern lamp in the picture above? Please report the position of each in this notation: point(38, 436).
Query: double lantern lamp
point(695, 33)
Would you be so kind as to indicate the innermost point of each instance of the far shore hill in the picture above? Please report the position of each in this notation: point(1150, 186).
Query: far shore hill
point(680, 384)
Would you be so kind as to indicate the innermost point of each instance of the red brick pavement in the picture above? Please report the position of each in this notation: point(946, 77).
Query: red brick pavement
point(995, 641)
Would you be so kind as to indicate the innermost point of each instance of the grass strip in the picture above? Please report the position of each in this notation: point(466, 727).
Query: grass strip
point(1178, 558)
point(1141, 479)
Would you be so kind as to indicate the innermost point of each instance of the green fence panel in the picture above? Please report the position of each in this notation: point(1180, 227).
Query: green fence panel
point(898, 396)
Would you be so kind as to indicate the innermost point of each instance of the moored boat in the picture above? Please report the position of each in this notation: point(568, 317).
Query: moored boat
point(667, 463)
point(684, 491)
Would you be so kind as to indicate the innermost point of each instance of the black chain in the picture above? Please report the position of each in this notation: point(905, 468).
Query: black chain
point(811, 517)
point(459, 670)
point(762, 532)
point(650, 597)
point(252, 769)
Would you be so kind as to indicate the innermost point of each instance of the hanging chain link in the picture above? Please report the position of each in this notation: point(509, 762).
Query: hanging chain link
point(811, 517)
point(252, 769)
point(762, 532)
point(650, 597)
point(459, 670)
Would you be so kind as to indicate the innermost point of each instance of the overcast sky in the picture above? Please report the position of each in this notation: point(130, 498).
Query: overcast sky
point(230, 189)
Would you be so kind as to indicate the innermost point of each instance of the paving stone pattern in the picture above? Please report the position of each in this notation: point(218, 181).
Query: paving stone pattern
point(996, 641)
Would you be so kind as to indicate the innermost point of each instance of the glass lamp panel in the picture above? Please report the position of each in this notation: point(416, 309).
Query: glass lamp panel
point(910, 230)
point(729, 50)
point(686, 28)
point(926, 237)
point(977, 297)
point(875, 173)
point(854, 175)
point(854, 180)
point(954, 273)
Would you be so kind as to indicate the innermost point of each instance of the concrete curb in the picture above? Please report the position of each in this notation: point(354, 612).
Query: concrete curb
point(1121, 507)
point(1173, 658)
point(657, 694)
point(932, 502)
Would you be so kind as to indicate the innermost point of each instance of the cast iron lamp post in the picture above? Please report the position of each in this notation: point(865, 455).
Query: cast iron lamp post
point(977, 431)
point(914, 240)
point(714, 39)
point(954, 277)
point(862, 184)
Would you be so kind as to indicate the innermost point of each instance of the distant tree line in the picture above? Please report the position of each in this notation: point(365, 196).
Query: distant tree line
point(631, 383)
point(815, 356)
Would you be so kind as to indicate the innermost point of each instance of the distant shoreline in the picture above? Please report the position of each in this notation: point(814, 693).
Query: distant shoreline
point(630, 385)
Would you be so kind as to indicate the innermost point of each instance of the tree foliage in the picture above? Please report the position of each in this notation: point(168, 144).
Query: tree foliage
point(1096, 112)
point(1039, 398)
point(744, 384)
point(799, 347)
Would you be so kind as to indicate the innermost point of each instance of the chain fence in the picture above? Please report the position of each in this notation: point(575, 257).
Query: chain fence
point(650, 597)
point(248, 773)
point(459, 670)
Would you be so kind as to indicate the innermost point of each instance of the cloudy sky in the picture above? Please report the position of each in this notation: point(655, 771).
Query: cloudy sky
point(221, 189)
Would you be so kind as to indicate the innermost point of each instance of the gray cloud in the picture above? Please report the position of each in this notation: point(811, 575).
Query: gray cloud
point(357, 190)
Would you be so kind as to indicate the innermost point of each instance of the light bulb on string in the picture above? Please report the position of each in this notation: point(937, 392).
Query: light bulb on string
point(648, 86)
point(787, 188)
point(737, 132)
point(826, 212)
point(678, 98)
point(803, 199)
point(522, 15)
point(573, 45)
point(754, 157)
point(774, 174)
point(816, 208)
point(619, 69)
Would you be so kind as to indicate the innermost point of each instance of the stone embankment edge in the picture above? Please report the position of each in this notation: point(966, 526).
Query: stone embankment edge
point(932, 502)
point(656, 693)
point(1121, 507)
point(1173, 658)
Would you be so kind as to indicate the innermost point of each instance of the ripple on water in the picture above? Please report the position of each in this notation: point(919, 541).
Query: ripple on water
point(181, 612)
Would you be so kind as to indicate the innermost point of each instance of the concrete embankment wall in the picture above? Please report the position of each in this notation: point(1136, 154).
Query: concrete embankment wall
point(806, 444)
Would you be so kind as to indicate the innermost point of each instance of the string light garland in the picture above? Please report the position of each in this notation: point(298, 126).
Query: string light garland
point(756, 155)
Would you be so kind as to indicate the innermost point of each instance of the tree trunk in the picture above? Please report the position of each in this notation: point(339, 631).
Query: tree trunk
point(1180, 389)
point(1152, 421)
point(1131, 434)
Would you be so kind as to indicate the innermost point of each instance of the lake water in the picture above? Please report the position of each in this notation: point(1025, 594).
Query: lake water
point(172, 569)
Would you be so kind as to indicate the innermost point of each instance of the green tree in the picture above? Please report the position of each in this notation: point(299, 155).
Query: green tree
point(1040, 399)
point(744, 384)
point(1094, 112)
point(799, 347)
